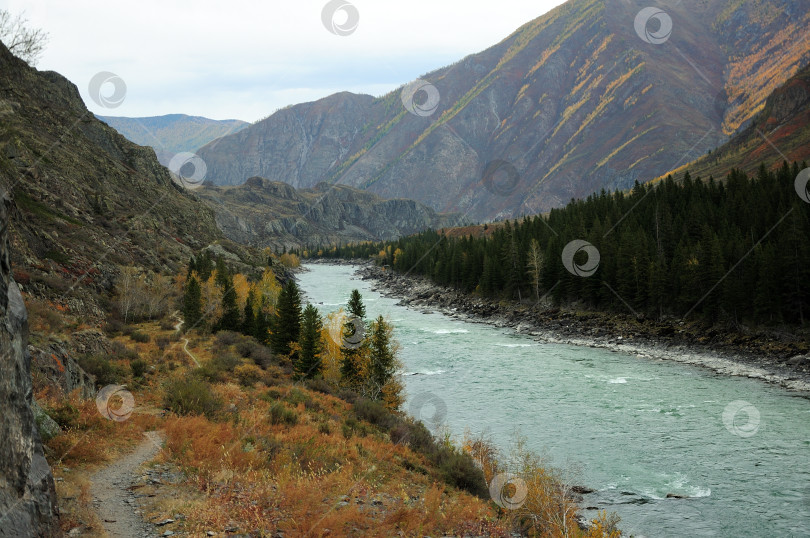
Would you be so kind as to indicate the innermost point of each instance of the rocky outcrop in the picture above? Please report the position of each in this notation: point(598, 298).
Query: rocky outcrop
point(27, 492)
point(57, 368)
point(266, 213)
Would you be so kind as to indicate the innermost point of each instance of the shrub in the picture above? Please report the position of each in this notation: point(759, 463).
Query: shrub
point(191, 396)
point(139, 337)
point(248, 374)
point(319, 385)
point(227, 338)
point(296, 396)
point(458, 469)
point(374, 413)
point(121, 351)
point(102, 369)
point(224, 361)
point(245, 348)
point(347, 395)
point(113, 327)
point(324, 428)
point(262, 356)
point(66, 415)
point(138, 367)
point(271, 395)
point(279, 414)
point(162, 342)
point(167, 324)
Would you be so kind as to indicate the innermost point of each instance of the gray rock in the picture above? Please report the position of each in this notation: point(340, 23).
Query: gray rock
point(27, 491)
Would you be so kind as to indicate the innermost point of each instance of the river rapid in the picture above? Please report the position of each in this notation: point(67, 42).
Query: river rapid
point(634, 428)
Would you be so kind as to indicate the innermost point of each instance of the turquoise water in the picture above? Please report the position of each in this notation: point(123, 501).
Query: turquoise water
point(636, 428)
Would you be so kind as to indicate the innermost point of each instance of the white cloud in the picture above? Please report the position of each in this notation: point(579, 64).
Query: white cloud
point(245, 59)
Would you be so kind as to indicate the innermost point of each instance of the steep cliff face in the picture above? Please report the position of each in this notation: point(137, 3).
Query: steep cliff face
point(27, 492)
point(572, 102)
point(266, 213)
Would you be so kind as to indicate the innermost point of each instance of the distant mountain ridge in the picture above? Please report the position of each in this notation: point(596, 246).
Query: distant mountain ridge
point(570, 103)
point(173, 133)
point(265, 213)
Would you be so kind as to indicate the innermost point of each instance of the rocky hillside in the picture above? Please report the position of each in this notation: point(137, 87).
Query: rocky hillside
point(27, 492)
point(780, 132)
point(574, 101)
point(86, 200)
point(174, 133)
point(266, 213)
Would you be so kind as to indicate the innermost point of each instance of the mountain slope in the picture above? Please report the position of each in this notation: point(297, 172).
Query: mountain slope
point(572, 102)
point(780, 132)
point(86, 200)
point(173, 133)
point(265, 213)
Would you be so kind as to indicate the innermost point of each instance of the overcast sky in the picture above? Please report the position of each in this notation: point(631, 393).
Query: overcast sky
point(243, 59)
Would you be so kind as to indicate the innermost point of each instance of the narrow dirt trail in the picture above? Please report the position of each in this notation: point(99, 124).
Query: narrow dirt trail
point(112, 498)
point(185, 340)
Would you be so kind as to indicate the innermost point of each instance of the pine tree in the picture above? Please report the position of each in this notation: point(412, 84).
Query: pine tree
point(249, 318)
point(351, 351)
point(231, 319)
point(192, 304)
point(286, 326)
point(382, 361)
point(355, 305)
point(262, 323)
point(308, 365)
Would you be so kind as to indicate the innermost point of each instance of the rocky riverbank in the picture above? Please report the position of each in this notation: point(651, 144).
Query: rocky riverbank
point(779, 358)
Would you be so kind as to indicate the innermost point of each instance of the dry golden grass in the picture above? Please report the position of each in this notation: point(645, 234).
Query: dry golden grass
point(276, 457)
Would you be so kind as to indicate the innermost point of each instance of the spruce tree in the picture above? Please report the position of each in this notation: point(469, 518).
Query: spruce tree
point(351, 350)
point(231, 319)
point(355, 305)
point(192, 304)
point(308, 363)
point(286, 326)
point(249, 318)
point(382, 362)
